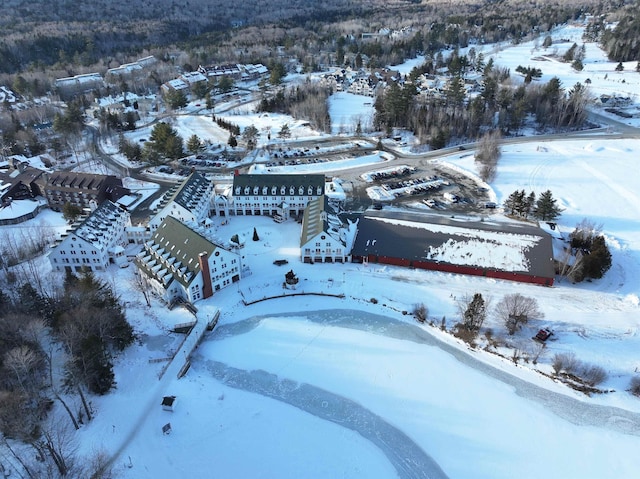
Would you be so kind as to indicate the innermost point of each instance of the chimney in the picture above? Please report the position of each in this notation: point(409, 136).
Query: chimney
point(207, 289)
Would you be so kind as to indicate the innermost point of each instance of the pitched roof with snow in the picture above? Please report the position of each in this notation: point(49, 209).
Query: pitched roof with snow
point(511, 247)
point(320, 217)
point(188, 194)
point(172, 252)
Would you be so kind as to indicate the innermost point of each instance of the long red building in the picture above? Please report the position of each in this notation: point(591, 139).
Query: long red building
point(510, 251)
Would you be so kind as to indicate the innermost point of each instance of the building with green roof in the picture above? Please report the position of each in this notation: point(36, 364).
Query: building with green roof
point(180, 262)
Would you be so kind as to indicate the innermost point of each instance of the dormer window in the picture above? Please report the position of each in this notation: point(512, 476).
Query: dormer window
point(310, 190)
point(292, 191)
point(319, 191)
point(247, 190)
point(255, 190)
point(237, 190)
point(282, 190)
point(274, 190)
point(301, 190)
point(264, 190)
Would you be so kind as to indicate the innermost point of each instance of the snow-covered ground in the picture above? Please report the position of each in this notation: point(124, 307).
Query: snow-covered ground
point(318, 386)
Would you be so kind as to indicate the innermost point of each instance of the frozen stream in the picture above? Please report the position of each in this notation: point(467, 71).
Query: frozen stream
point(406, 456)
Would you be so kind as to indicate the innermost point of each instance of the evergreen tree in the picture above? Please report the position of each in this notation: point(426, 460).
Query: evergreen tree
point(546, 208)
point(165, 141)
point(529, 204)
point(598, 261)
point(284, 132)
point(226, 84)
point(175, 99)
point(208, 101)
point(255, 235)
point(70, 212)
point(194, 145)
point(232, 142)
point(277, 73)
point(475, 314)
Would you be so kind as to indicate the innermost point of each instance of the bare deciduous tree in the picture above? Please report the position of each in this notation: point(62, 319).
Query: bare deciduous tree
point(515, 310)
point(421, 312)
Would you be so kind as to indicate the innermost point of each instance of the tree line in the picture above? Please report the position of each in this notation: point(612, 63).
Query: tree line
point(307, 101)
point(56, 348)
point(454, 116)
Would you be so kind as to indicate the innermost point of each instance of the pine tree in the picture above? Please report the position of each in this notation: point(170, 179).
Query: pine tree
point(255, 235)
point(529, 204)
point(194, 145)
point(510, 204)
point(475, 314)
point(284, 132)
point(598, 261)
point(546, 208)
point(232, 141)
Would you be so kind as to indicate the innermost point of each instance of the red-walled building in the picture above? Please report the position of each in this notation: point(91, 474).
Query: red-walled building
point(511, 251)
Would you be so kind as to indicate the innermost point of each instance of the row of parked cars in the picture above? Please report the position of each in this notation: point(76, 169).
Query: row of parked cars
point(385, 175)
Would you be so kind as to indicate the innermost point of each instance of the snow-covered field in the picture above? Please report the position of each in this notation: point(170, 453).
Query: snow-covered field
point(325, 387)
point(318, 387)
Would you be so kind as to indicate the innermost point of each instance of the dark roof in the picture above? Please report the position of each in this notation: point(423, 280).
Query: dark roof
point(391, 239)
point(316, 182)
point(192, 186)
point(80, 181)
point(175, 248)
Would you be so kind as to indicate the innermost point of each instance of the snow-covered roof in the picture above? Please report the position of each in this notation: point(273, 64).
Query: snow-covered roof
point(434, 238)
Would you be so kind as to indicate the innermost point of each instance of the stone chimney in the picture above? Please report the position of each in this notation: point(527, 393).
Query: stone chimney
point(207, 288)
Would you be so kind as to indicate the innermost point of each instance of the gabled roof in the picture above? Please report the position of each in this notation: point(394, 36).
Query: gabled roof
point(102, 220)
point(316, 182)
point(319, 217)
point(193, 186)
point(510, 247)
point(175, 248)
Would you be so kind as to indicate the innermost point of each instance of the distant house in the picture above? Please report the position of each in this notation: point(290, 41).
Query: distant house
point(177, 84)
point(7, 96)
point(20, 184)
point(94, 242)
point(323, 237)
point(193, 78)
point(71, 86)
point(188, 202)
point(271, 195)
point(180, 263)
point(130, 71)
point(508, 251)
point(218, 71)
point(79, 189)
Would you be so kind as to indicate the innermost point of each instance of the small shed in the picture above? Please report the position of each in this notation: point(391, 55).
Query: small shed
point(168, 402)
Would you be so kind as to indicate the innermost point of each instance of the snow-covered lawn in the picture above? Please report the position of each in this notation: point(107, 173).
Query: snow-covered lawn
point(317, 386)
point(290, 387)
